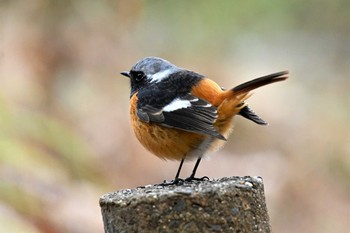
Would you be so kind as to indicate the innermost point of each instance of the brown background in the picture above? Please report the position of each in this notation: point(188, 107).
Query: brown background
point(65, 137)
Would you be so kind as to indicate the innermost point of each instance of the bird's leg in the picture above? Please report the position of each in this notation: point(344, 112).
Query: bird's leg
point(177, 180)
point(178, 170)
point(192, 176)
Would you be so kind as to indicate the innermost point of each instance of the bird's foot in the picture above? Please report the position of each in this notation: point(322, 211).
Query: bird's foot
point(177, 181)
point(192, 178)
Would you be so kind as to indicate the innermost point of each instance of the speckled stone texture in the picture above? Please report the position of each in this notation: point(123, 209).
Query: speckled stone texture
point(235, 204)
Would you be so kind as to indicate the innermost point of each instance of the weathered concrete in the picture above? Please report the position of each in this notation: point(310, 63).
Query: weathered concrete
point(235, 204)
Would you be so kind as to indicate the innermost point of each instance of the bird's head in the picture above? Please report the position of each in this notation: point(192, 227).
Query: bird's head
point(149, 70)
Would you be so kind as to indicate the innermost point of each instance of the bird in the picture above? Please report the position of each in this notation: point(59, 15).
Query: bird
point(178, 114)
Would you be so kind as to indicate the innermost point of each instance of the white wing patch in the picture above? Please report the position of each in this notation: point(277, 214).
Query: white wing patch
point(157, 77)
point(177, 104)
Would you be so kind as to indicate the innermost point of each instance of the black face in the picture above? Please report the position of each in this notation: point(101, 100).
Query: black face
point(138, 79)
point(141, 73)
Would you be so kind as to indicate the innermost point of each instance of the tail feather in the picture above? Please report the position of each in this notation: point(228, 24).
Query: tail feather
point(245, 88)
point(248, 113)
point(259, 82)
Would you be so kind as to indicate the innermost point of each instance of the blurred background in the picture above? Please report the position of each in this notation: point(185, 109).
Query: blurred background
point(65, 138)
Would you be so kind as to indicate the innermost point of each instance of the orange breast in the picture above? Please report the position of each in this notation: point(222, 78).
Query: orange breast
point(164, 142)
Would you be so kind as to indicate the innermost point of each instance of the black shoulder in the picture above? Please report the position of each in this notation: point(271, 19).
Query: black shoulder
point(159, 94)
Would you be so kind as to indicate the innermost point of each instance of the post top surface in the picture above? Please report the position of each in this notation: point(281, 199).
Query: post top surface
point(126, 196)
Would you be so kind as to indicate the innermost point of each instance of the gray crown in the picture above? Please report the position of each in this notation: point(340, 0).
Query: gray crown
point(154, 65)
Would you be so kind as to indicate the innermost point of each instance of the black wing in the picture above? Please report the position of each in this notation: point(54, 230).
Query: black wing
point(187, 113)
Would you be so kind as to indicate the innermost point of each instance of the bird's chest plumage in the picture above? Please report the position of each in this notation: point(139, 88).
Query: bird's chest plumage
point(164, 142)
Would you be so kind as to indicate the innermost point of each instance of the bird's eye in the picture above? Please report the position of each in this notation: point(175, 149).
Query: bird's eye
point(137, 75)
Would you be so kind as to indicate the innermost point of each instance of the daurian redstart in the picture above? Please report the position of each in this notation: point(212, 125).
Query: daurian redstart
point(178, 114)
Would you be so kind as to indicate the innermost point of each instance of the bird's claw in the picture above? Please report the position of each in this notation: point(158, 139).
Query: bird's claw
point(192, 178)
point(177, 181)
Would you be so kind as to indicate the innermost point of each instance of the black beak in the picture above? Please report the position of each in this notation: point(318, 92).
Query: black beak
point(125, 73)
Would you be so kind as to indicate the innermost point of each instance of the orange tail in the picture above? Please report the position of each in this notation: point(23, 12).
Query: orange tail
point(233, 99)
